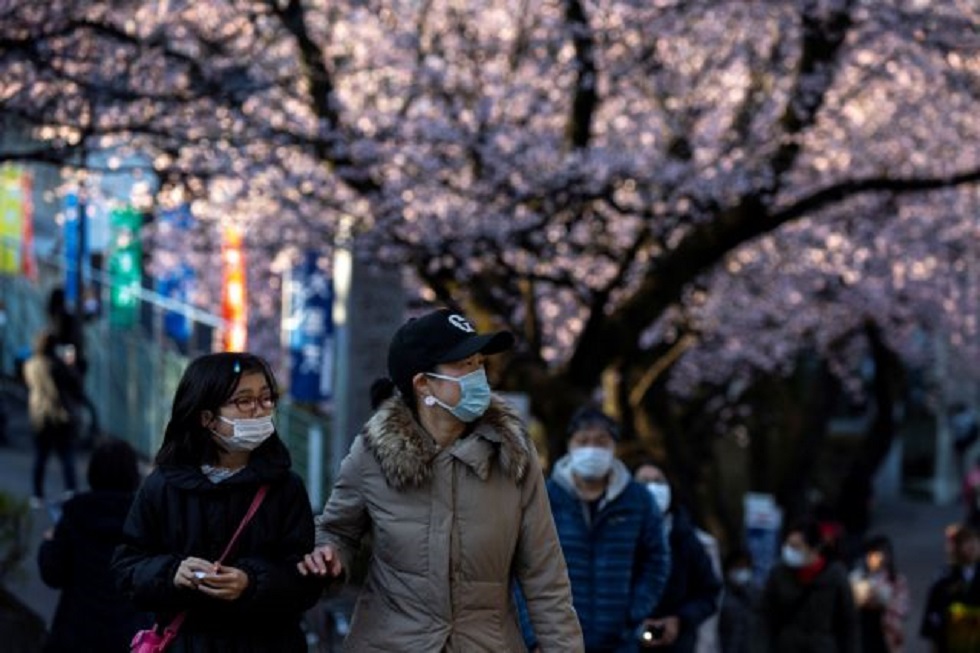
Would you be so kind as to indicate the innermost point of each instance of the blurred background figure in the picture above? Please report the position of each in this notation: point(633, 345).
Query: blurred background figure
point(611, 534)
point(53, 395)
point(693, 587)
point(739, 603)
point(807, 604)
point(707, 638)
point(66, 327)
point(92, 615)
point(881, 595)
point(965, 431)
point(951, 621)
point(971, 494)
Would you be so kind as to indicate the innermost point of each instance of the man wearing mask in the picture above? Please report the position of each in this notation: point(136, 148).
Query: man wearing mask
point(611, 535)
point(807, 603)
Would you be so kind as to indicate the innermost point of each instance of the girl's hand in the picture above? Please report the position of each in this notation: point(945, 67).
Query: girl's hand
point(190, 571)
point(226, 583)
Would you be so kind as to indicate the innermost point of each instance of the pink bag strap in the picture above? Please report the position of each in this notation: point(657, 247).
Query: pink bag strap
point(256, 502)
point(175, 623)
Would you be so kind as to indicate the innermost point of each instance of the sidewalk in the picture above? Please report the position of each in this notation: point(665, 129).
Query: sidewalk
point(916, 530)
point(16, 458)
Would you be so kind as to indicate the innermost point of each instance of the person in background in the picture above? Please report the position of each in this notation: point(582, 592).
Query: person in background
point(739, 603)
point(445, 479)
point(971, 494)
point(66, 327)
point(951, 621)
point(807, 604)
point(53, 392)
point(611, 534)
point(707, 638)
point(881, 595)
point(693, 587)
point(219, 448)
point(92, 614)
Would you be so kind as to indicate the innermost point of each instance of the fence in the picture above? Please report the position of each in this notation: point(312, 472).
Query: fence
point(132, 376)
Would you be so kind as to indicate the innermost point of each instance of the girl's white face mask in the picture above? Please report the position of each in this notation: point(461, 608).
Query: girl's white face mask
point(247, 433)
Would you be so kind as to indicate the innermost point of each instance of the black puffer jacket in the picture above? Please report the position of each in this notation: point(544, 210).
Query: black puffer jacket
point(92, 614)
point(178, 512)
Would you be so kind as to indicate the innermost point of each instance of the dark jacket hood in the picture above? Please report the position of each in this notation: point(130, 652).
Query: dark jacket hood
point(269, 462)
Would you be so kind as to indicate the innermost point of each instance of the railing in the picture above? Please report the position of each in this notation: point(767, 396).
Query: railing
point(132, 377)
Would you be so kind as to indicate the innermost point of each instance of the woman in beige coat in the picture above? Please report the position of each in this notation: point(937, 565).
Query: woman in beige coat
point(446, 480)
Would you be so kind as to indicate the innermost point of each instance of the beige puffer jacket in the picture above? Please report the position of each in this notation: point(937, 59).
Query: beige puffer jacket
point(451, 528)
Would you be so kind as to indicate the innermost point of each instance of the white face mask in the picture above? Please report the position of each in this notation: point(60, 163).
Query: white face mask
point(474, 395)
point(661, 495)
point(248, 433)
point(740, 577)
point(793, 557)
point(591, 463)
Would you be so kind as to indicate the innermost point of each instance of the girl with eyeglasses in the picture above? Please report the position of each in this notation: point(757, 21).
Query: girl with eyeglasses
point(220, 446)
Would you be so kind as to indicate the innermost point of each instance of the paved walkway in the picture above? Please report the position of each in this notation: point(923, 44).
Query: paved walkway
point(915, 526)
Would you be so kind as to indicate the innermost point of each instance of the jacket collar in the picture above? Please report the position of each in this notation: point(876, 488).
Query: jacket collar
point(619, 478)
point(405, 450)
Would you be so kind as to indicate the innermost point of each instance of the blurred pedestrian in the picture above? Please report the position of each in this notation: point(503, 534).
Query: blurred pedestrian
point(66, 325)
point(707, 637)
point(611, 534)
point(220, 451)
point(881, 595)
point(739, 604)
point(951, 621)
point(53, 391)
point(971, 494)
point(67, 328)
point(693, 587)
point(92, 614)
point(446, 480)
point(965, 429)
point(807, 604)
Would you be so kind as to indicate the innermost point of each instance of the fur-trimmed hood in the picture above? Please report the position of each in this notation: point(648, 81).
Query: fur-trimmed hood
point(405, 450)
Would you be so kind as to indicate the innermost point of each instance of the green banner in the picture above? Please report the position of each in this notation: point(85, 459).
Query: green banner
point(124, 266)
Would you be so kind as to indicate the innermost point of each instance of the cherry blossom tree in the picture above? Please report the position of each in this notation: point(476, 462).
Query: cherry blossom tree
point(657, 195)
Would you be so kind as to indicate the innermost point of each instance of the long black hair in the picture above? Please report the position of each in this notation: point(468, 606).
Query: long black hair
point(208, 382)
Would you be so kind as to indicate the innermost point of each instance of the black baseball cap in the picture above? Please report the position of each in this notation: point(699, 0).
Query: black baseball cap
point(442, 336)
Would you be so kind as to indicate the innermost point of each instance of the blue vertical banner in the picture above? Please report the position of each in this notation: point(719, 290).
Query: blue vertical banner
point(177, 283)
point(73, 248)
point(310, 324)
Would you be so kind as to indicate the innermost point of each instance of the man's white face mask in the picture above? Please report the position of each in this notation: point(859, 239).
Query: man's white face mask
point(591, 463)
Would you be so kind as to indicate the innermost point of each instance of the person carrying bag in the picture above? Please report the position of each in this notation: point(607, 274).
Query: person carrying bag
point(152, 640)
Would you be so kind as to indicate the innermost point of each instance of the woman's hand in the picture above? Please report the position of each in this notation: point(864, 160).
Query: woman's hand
point(322, 561)
point(225, 583)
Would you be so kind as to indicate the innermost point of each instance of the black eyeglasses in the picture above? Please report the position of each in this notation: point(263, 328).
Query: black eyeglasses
point(249, 404)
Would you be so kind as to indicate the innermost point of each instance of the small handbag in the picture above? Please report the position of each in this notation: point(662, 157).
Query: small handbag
point(154, 641)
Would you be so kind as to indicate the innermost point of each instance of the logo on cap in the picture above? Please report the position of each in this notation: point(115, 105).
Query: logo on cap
point(460, 323)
